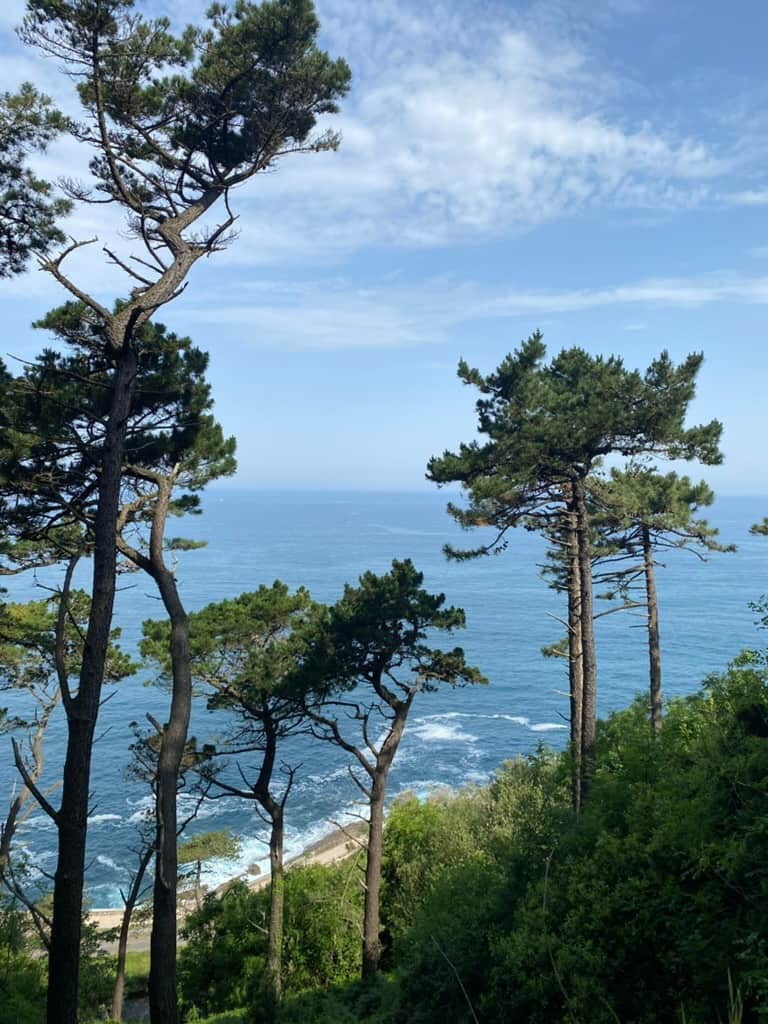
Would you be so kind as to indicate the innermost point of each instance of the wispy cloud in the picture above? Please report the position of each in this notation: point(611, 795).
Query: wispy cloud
point(338, 315)
point(748, 197)
point(466, 121)
point(463, 122)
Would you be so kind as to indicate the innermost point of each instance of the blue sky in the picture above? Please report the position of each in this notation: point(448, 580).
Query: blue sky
point(596, 170)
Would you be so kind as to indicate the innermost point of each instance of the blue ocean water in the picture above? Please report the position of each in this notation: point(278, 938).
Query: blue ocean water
point(321, 541)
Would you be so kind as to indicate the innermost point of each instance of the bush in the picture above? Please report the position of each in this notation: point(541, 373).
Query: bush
point(641, 910)
point(22, 987)
point(222, 965)
point(650, 907)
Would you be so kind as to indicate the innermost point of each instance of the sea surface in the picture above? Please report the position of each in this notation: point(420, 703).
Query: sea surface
point(453, 737)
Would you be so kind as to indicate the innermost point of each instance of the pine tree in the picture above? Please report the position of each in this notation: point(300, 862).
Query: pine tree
point(243, 654)
point(57, 411)
point(366, 664)
point(175, 123)
point(29, 213)
point(547, 428)
point(642, 511)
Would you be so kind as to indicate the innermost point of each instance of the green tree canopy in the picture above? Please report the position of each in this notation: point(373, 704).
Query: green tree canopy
point(53, 430)
point(243, 655)
point(175, 123)
point(366, 662)
point(548, 426)
point(29, 213)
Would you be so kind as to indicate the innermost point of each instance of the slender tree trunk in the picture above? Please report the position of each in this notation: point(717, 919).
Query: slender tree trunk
point(198, 883)
point(82, 712)
point(589, 662)
point(163, 1008)
point(371, 924)
point(276, 904)
point(575, 655)
point(276, 811)
point(654, 646)
point(118, 993)
point(371, 917)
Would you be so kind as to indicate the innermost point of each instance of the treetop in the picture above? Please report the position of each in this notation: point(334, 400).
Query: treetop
point(381, 626)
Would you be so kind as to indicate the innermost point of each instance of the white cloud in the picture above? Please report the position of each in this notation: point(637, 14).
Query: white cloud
point(748, 197)
point(338, 315)
point(464, 128)
point(463, 122)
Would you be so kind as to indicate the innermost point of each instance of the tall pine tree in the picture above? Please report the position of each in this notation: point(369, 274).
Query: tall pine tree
point(547, 427)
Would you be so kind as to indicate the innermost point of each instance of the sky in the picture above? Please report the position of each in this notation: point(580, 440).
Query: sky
point(598, 171)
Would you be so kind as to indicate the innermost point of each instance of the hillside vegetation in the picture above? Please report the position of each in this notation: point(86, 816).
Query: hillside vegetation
point(500, 904)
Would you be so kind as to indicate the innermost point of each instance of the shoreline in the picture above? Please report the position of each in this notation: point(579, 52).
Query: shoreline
point(335, 846)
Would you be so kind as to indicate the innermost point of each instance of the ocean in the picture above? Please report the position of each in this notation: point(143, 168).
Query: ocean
point(453, 737)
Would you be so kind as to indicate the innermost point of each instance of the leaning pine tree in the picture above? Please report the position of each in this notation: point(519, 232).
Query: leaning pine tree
point(175, 123)
point(243, 655)
point(172, 448)
point(364, 665)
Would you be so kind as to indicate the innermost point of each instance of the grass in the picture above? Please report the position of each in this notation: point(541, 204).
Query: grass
point(136, 973)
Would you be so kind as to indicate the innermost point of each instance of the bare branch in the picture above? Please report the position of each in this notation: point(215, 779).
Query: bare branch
point(31, 785)
point(53, 266)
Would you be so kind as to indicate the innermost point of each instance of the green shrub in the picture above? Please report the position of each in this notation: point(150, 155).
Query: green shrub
point(222, 965)
point(22, 988)
point(650, 907)
point(643, 908)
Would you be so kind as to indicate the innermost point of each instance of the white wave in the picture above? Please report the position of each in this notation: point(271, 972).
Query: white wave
point(189, 803)
point(319, 780)
point(97, 819)
point(35, 858)
point(421, 788)
point(145, 809)
point(107, 862)
point(498, 716)
point(547, 727)
point(105, 897)
point(142, 815)
point(143, 801)
point(37, 822)
point(435, 732)
point(254, 848)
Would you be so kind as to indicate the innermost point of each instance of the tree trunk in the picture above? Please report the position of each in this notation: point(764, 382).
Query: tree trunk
point(163, 1008)
point(654, 647)
point(588, 659)
point(82, 712)
point(198, 883)
point(118, 993)
point(276, 811)
point(371, 926)
point(575, 655)
point(276, 902)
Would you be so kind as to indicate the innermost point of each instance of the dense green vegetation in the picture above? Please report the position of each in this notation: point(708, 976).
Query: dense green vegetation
point(500, 904)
